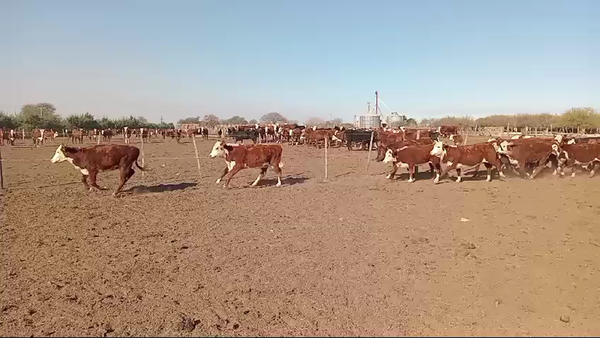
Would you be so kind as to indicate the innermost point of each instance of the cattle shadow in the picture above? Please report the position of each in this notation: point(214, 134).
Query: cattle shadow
point(287, 180)
point(142, 189)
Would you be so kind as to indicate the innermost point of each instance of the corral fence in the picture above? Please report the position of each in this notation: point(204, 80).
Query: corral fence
point(529, 131)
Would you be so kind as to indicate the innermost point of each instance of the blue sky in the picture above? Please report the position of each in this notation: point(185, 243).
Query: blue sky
point(307, 58)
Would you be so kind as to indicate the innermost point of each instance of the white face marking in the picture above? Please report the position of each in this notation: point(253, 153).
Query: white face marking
point(438, 149)
point(218, 150)
point(516, 137)
point(389, 156)
point(559, 138)
point(335, 138)
point(572, 141)
point(59, 155)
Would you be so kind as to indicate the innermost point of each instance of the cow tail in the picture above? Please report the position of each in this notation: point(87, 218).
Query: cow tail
point(140, 167)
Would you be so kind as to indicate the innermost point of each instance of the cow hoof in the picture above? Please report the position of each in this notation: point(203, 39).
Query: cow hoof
point(458, 180)
point(502, 175)
point(389, 177)
point(218, 181)
point(411, 181)
point(573, 175)
point(436, 181)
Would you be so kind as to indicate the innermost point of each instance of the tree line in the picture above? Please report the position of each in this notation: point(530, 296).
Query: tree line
point(582, 117)
point(44, 115)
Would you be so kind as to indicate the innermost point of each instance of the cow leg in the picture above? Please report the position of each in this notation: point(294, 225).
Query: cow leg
point(458, 174)
point(126, 174)
point(438, 168)
point(411, 173)
point(232, 172)
point(594, 166)
point(476, 173)
point(84, 181)
point(394, 169)
point(263, 172)
point(223, 175)
point(93, 183)
point(278, 171)
point(489, 171)
point(431, 169)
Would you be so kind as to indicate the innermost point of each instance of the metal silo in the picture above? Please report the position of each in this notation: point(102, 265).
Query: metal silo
point(395, 120)
point(369, 121)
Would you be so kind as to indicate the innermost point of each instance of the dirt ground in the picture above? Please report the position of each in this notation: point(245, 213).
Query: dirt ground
point(357, 255)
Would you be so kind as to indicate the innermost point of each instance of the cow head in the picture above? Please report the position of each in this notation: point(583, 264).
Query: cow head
point(439, 149)
point(60, 154)
point(389, 156)
point(220, 149)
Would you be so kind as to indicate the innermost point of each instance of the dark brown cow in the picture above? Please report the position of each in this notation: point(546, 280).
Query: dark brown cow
point(89, 161)
point(578, 154)
point(409, 157)
point(472, 155)
point(107, 134)
point(238, 157)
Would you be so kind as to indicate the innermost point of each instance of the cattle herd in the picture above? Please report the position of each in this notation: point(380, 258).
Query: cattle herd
point(402, 147)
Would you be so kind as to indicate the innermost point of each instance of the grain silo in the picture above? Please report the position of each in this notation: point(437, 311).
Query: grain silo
point(395, 120)
point(371, 119)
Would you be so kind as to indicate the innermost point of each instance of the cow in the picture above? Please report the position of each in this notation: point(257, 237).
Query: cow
point(382, 147)
point(204, 133)
point(245, 134)
point(89, 161)
point(238, 157)
point(107, 134)
point(38, 137)
point(409, 157)
point(529, 153)
point(8, 136)
point(578, 154)
point(455, 157)
point(77, 135)
point(447, 130)
point(126, 135)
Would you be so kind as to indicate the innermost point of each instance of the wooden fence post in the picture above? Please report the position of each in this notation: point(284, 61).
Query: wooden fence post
point(1, 172)
point(370, 148)
point(326, 146)
point(197, 158)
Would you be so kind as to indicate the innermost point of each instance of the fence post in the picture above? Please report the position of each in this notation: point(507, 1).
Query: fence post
point(326, 146)
point(370, 148)
point(197, 158)
point(142, 139)
point(1, 172)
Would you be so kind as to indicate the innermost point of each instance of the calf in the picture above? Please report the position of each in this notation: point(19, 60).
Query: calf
point(578, 154)
point(409, 157)
point(89, 161)
point(238, 157)
point(472, 155)
point(38, 137)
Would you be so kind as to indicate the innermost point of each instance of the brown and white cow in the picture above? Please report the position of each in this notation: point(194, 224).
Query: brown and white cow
point(238, 157)
point(77, 135)
point(455, 157)
point(529, 153)
point(38, 136)
point(409, 157)
point(573, 155)
point(127, 134)
point(9, 136)
point(383, 146)
point(89, 161)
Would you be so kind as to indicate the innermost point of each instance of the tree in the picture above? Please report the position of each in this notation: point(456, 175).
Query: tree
point(189, 120)
point(41, 115)
point(235, 120)
point(273, 117)
point(253, 121)
point(411, 122)
point(580, 118)
point(85, 121)
point(335, 122)
point(8, 121)
point(314, 121)
point(211, 120)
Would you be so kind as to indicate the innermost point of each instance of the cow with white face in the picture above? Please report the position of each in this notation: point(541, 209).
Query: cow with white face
point(238, 157)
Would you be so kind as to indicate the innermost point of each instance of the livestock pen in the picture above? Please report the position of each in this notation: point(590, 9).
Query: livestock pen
point(356, 255)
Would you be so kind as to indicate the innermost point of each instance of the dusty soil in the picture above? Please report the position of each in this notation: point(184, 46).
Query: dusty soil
point(356, 255)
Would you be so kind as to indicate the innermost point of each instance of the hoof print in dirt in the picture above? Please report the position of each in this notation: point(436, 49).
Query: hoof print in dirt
point(187, 324)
